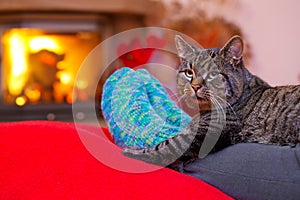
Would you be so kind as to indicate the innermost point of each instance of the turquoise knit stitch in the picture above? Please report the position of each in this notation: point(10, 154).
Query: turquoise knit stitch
point(139, 111)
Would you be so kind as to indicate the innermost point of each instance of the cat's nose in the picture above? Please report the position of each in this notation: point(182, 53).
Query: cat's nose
point(196, 87)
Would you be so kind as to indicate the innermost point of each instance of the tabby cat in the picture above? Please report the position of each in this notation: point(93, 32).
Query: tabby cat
point(234, 106)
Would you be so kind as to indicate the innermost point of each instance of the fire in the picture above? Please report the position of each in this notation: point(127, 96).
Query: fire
point(65, 78)
point(39, 66)
point(16, 49)
point(43, 42)
point(20, 43)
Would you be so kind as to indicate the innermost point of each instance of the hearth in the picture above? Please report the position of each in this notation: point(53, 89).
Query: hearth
point(43, 44)
point(39, 62)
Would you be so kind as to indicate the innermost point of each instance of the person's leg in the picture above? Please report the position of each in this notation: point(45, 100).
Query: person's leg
point(252, 171)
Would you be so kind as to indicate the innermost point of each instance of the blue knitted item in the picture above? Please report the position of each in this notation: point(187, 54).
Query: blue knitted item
point(138, 110)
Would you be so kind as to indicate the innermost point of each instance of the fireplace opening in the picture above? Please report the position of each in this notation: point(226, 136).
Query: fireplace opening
point(39, 64)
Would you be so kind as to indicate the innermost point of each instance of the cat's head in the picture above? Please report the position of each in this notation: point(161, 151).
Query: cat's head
point(208, 76)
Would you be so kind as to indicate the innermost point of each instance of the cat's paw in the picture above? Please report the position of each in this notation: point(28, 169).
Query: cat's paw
point(166, 152)
point(145, 155)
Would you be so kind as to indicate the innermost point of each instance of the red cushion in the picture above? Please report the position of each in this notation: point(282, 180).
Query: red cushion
point(47, 160)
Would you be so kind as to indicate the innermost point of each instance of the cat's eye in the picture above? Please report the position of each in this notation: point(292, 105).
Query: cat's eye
point(189, 74)
point(213, 74)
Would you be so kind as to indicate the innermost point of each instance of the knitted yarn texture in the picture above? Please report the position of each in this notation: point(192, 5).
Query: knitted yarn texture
point(138, 110)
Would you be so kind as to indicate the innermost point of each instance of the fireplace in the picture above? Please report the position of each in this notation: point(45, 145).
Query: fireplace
point(39, 62)
point(42, 48)
point(39, 65)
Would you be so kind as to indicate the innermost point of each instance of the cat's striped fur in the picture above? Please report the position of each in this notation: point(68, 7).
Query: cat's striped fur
point(234, 106)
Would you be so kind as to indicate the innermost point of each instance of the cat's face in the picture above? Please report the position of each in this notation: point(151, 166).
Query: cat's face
point(210, 78)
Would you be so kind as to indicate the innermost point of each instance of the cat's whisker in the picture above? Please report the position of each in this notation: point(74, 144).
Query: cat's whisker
point(218, 105)
point(181, 97)
point(223, 101)
point(227, 104)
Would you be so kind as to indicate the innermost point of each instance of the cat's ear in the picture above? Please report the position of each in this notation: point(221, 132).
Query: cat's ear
point(183, 48)
point(234, 48)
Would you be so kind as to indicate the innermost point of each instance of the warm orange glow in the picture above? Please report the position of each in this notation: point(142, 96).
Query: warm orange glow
point(44, 42)
point(16, 49)
point(33, 95)
point(40, 66)
point(65, 78)
point(21, 101)
point(69, 98)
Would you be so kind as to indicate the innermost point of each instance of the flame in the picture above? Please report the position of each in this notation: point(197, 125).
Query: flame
point(21, 48)
point(21, 42)
point(43, 42)
point(65, 78)
point(16, 49)
point(33, 94)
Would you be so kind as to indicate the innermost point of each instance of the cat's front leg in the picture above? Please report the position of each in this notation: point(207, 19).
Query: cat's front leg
point(166, 152)
point(182, 147)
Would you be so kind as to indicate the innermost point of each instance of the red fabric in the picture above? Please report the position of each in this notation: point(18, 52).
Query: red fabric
point(47, 160)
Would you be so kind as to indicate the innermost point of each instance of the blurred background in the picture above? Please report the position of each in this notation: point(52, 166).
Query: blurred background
point(44, 43)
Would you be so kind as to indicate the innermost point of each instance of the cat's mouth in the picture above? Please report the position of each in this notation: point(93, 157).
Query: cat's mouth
point(202, 93)
point(198, 99)
point(202, 98)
